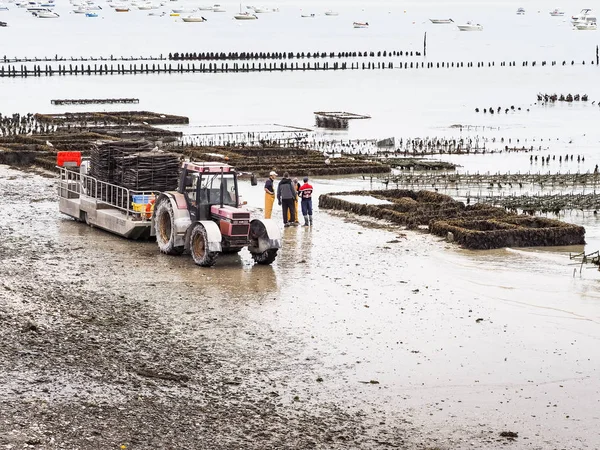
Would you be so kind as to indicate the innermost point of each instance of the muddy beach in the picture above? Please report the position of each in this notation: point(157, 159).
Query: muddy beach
point(395, 341)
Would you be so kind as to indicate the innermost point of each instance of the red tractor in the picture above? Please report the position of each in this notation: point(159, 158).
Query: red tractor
point(205, 217)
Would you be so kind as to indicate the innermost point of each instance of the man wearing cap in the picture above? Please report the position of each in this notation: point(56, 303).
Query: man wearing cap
point(269, 194)
point(286, 193)
point(305, 193)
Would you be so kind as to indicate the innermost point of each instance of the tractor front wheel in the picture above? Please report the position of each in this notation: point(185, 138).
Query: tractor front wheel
point(164, 223)
point(199, 247)
point(266, 257)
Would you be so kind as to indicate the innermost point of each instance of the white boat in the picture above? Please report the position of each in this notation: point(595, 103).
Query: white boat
point(360, 24)
point(81, 10)
point(183, 11)
point(205, 8)
point(557, 12)
point(469, 26)
point(146, 7)
point(193, 19)
point(46, 15)
point(441, 21)
point(521, 11)
point(332, 13)
point(3, 8)
point(582, 16)
point(307, 15)
point(586, 26)
point(259, 10)
point(218, 8)
point(91, 14)
point(245, 16)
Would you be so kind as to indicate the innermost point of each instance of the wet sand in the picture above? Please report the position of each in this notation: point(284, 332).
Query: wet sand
point(360, 335)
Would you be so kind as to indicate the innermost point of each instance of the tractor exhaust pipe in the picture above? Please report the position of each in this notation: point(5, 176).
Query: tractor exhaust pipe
point(222, 188)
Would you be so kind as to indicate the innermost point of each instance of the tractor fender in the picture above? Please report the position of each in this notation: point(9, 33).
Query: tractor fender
point(270, 237)
point(213, 235)
point(181, 220)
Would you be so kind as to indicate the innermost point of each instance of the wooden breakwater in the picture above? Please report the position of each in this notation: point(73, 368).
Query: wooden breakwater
point(237, 56)
point(93, 101)
point(215, 56)
point(38, 70)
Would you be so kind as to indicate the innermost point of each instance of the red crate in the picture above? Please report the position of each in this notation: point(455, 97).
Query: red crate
point(68, 159)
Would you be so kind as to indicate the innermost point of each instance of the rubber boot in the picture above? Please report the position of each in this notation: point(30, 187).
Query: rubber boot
point(310, 220)
point(305, 221)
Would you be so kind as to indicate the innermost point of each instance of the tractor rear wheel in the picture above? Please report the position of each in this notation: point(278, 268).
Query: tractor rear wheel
point(266, 257)
point(164, 223)
point(199, 247)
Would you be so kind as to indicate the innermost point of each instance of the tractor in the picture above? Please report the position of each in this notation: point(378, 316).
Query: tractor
point(205, 217)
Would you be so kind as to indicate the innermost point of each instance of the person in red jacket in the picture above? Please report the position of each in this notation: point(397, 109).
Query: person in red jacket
point(305, 193)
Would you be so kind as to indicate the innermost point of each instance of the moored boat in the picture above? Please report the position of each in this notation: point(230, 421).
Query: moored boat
point(469, 26)
point(557, 12)
point(587, 25)
point(360, 24)
point(46, 15)
point(245, 16)
point(521, 11)
point(441, 21)
point(91, 14)
point(193, 19)
point(331, 13)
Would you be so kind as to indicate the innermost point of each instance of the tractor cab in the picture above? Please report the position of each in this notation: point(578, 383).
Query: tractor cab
point(208, 188)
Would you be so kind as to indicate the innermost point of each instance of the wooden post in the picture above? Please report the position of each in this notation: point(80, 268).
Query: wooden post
point(597, 61)
point(425, 45)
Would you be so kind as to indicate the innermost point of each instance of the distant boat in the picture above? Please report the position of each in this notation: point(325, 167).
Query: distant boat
point(3, 8)
point(3, 24)
point(245, 16)
point(193, 19)
point(46, 15)
point(91, 14)
point(307, 15)
point(360, 24)
point(521, 11)
point(183, 11)
point(557, 12)
point(218, 8)
point(586, 25)
point(470, 27)
point(122, 9)
point(332, 13)
point(441, 21)
point(205, 8)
